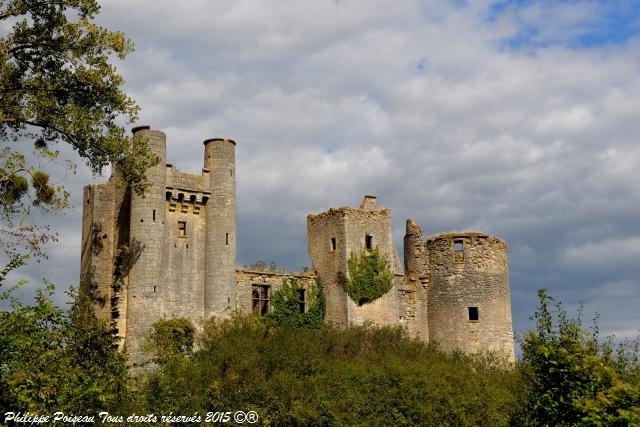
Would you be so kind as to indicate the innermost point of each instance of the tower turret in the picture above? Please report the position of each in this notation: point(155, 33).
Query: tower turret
point(220, 267)
point(146, 242)
point(469, 304)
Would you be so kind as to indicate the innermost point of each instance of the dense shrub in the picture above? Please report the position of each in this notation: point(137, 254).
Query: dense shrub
point(286, 306)
point(329, 376)
point(56, 360)
point(570, 378)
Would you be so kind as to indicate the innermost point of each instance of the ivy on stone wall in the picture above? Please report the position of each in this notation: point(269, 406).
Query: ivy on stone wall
point(286, 305)
point(369, 277)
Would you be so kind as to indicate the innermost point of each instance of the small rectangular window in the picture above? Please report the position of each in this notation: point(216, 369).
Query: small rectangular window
point(474, 315)
point(368, 242)
point(182, 228)
point(301, 300)
point(260, 298)
point(154, 215)
point(458, 250)
point(333, 244)
point(226, 239)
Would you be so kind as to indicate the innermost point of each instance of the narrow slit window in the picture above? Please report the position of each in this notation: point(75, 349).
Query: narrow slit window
point(474, 315)
point(368, 242)
point(226, 239)
point(154, 215)
point(182, 228)
point(301, 305)
point(155, 289)
point(333, 244)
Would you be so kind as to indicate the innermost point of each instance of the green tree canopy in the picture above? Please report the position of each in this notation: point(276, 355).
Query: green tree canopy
point(569, 378)
point(58, 85)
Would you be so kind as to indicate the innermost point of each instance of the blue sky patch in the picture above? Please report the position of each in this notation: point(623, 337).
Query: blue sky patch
point(614, 22)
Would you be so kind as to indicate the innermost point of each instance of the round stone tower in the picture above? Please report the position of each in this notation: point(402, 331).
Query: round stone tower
point(146, 247)
point(469, 305)
point(220, 270)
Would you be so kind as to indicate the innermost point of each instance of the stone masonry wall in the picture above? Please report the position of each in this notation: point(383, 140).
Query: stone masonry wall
point(347, 229)
point(373, 221)
point(471, 273)
point(246, 278)
point(413, 292)
point(327, 260)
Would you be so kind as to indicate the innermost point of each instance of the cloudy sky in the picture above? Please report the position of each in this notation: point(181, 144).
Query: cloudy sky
point(517, 118)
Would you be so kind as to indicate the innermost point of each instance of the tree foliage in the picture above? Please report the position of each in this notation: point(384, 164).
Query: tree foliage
point(58, 85)
point(170, 338)
point(286, 305)
point(56, 360)
point(569, 378)
point(369, 277)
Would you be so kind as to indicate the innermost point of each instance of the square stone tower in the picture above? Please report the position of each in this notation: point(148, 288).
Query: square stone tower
point(333, 236)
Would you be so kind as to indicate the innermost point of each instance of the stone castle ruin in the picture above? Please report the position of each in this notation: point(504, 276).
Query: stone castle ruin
point(172, 253)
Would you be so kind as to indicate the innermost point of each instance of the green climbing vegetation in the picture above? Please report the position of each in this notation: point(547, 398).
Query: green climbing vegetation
point(369, 277)
point(287, 310)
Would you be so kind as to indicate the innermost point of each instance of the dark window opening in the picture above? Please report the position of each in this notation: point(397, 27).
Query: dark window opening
point(458, 250)
point(182, 228)
point(168, 195)
point(154, 215)
point(260, 299)
point(333, 243)
point(474, 315)
point(368, 242)
point(301, 300)
point(226, 239)
point(155, 288)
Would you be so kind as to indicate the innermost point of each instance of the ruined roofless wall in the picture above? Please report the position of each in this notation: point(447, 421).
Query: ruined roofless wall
point(335, 234)
point(246, 278)
point(413, 293)
point(468, 301)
